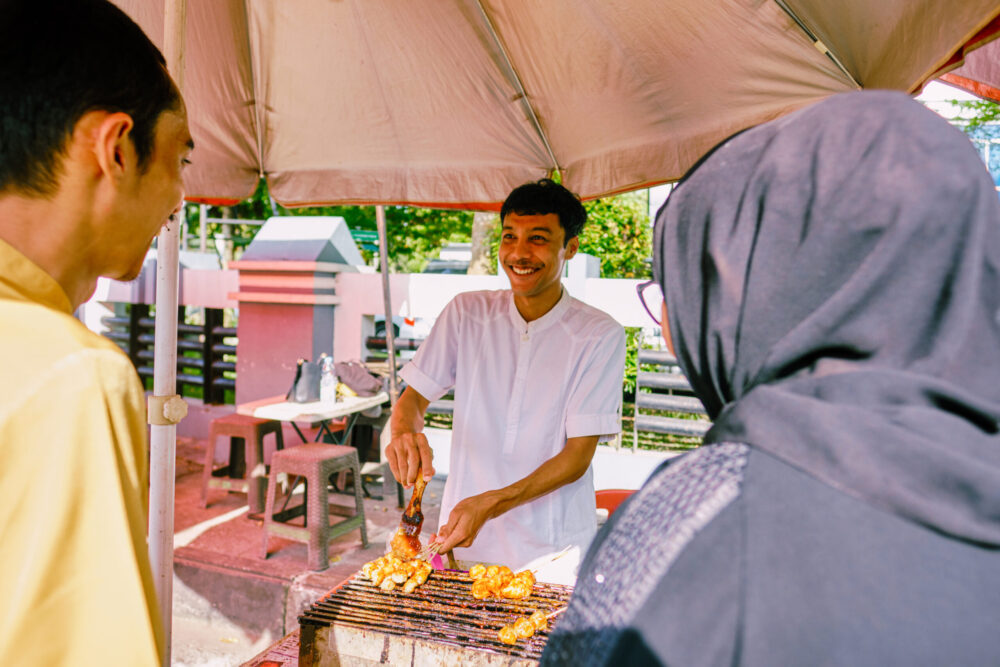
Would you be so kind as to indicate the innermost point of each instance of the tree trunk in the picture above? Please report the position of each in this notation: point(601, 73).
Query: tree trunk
point(482, 226)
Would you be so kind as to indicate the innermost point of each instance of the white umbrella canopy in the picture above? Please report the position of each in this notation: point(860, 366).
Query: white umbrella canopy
point(979, 70)
point(454, 102)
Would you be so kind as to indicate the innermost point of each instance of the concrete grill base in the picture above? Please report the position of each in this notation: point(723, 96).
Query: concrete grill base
point(337, 646)
point(438, 623)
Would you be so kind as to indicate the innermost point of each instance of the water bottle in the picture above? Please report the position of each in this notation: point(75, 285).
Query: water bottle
point(327, 380)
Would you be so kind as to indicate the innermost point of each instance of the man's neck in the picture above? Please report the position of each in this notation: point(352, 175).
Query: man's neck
point(39, 230)
point(533, 307)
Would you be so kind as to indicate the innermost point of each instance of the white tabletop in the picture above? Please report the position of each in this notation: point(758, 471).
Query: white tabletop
point(318, 411)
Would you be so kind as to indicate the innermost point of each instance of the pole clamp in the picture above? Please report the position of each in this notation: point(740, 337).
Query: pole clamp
point(165, 410)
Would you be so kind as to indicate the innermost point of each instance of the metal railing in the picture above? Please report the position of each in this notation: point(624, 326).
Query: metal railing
point(206, 352)
point(666, 391)
point(375, 347)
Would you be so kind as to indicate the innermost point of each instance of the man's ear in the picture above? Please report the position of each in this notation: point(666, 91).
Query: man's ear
point(113, 145)
point(572, 247)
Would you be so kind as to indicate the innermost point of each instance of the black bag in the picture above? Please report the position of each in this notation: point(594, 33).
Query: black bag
point(357, 376)
point(305, 386)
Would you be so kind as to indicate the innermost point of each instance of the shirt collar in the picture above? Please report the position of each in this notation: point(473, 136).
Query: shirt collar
point(22, 279)
point(543, 322)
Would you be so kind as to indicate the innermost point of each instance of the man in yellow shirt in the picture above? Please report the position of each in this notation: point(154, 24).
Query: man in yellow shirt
point(93, 137)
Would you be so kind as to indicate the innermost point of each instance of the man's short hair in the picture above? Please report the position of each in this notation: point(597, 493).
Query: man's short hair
point(544, 197)
point(60, 60)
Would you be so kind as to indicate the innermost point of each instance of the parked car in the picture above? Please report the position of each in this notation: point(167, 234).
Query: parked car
point(403, 327)
point(452, 258)
point(460, 266)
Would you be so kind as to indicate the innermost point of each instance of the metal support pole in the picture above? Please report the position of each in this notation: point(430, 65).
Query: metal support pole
point(390, 338)
point(184, 227)
point(203, 226)
point(163, 438)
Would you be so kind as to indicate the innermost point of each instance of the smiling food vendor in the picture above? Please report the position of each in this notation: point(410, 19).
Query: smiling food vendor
point(537, 376)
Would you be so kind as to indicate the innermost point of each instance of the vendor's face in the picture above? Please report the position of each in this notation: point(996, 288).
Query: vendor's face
point(532, 253)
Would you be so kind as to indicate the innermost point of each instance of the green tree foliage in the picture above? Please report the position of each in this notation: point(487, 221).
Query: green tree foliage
point(617, 230)
point(980, 112)
point(633, 340)
point(415, 234)
point(618, 233)
point(981, 123)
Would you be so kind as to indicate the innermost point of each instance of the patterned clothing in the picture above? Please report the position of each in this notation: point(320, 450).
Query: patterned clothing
point(729, 556)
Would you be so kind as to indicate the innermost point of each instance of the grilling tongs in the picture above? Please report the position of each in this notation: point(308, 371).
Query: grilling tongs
point(406, 542)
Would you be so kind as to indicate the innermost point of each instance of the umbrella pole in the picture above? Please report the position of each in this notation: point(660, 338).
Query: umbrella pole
point(390, 338)
point(163, 437)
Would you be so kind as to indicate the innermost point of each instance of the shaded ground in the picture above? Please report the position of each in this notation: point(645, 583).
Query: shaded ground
point(229, 603)
point(232, 606)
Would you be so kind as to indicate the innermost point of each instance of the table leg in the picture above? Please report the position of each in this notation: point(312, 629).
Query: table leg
point(324, 429)
point(348, 427)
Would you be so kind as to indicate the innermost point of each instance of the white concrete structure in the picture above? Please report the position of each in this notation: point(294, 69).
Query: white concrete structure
point(419, 295)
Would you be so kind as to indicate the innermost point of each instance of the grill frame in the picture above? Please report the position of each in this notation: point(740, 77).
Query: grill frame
point(358, 623)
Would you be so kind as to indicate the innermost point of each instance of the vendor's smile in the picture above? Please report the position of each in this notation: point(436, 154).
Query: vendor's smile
point(524, 270)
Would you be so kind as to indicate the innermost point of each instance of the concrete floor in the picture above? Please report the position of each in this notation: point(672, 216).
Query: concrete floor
point(229, 603)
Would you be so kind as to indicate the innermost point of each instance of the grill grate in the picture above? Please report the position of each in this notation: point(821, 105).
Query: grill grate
point(442, 610)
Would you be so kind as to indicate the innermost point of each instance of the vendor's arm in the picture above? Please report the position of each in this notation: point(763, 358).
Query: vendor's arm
point(409, 450)
point(469, 515)
point(429, 376)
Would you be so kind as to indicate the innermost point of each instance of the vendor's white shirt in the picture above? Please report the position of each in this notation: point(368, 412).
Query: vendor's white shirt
point(521, 389)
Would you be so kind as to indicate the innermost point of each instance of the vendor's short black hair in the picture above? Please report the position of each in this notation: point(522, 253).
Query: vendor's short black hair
point(544, 197)
point(60, 60)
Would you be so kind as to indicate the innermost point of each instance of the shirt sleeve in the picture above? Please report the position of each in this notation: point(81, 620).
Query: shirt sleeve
point(432, 370)
point(594, 405)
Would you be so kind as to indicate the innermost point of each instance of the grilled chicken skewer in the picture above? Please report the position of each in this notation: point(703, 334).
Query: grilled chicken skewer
point(406, 542)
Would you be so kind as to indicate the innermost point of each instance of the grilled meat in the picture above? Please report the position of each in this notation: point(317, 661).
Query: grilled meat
point(508, 635)
point(517, 589)
point(390, 571)
point(481, 589)
point(524, 627)
point(406, 542)
point(499, 581)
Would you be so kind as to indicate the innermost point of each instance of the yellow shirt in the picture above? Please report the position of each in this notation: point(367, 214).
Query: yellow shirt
point(75, 581)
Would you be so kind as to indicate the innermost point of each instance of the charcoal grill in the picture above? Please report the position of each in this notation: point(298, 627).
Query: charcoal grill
point(440, 623)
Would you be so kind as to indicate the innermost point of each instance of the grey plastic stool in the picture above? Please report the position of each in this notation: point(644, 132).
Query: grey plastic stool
point(316, 462)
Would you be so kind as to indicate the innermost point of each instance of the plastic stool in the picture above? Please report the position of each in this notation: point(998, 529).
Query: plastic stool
point(316, 462)
point(610, 499)
point(245, 471)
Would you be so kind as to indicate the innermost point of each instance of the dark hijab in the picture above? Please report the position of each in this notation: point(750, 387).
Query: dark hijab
point(833, 292)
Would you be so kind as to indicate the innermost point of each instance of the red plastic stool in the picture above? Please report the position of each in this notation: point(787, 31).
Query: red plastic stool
point(245, 471)
point(610, 499)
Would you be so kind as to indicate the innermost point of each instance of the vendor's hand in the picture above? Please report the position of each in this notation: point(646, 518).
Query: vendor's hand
point(464, 522)
point(406, 453)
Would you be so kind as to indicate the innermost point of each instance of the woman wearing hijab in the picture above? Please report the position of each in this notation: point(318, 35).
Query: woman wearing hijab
point(832, 281)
